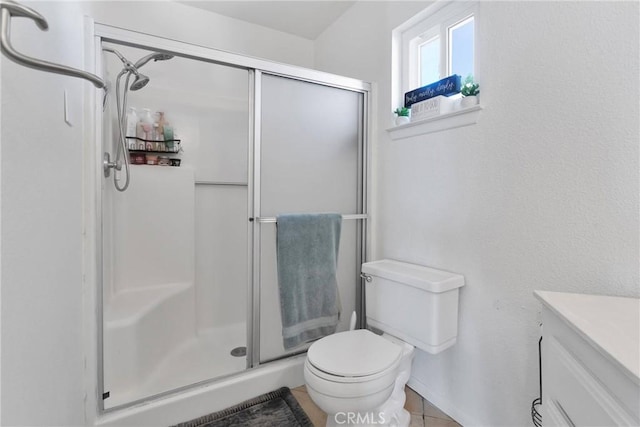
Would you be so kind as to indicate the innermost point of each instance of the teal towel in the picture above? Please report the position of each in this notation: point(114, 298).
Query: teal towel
point(307, 249)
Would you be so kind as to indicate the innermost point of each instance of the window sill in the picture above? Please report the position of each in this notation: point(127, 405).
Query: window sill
point(455, 119)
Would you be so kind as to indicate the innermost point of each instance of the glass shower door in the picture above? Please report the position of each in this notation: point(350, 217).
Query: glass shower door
point(310, 161)
point(175, 243)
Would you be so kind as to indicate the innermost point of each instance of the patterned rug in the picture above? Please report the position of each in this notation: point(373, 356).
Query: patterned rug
point(277, 408)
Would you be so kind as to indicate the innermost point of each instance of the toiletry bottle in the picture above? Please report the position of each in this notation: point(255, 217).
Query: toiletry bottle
point(130, 128)
point(147, 127)
point(169, 138)
point(167, 133)
point(156, 143)
point(162, 121)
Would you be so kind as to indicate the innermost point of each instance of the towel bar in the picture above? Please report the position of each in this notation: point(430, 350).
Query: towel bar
point(273, 219)
point(9, 9)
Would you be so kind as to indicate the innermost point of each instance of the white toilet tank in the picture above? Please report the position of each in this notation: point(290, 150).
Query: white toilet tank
point(416, 304)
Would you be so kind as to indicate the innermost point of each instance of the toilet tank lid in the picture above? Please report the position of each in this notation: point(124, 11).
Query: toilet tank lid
point(418, 276)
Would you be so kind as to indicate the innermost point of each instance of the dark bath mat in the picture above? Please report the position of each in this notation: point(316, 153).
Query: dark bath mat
point(278, 408)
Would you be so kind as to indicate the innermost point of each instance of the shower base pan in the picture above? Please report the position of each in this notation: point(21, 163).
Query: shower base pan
point(151, 347)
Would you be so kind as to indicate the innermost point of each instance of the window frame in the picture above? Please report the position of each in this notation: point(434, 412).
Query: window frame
point(435, 21)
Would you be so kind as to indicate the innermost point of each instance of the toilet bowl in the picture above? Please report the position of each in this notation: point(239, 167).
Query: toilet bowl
point(358, 377)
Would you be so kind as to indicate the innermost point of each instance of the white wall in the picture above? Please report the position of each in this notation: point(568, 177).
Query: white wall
point(42, 314)
point(542, 193)
point(42, 364)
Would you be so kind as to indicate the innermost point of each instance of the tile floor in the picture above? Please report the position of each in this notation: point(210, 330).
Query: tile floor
point(423, 413)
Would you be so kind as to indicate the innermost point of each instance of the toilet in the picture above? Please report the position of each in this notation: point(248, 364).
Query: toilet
point(358, 377)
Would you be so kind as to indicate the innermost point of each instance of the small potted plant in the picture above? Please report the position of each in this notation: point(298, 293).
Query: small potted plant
point(469, 92)
point(403, 115)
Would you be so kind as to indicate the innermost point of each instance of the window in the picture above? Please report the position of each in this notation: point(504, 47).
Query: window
point(437, 43)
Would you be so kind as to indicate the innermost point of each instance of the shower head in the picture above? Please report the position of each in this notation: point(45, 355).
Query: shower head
point(156, 56)
point(139, 82)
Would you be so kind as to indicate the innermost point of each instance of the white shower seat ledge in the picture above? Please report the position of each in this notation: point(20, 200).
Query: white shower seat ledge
point(128, 307)
point(455, 119)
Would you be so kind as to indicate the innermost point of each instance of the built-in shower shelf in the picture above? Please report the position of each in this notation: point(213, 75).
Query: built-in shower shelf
point(151, 146)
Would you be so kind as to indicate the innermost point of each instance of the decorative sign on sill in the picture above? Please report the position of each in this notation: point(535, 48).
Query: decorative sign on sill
point(445, 87)
point(431, 107)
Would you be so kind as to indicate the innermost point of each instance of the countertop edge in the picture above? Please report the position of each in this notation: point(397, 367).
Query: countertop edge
point(544, 299)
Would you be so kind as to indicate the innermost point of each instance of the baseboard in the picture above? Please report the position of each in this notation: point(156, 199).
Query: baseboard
point(446, 406)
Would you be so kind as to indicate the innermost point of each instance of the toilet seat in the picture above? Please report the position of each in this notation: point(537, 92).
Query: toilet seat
point(352, 371)
point(353, 356)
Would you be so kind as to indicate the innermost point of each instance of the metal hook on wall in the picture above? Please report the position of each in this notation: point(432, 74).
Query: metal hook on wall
point(9, 9)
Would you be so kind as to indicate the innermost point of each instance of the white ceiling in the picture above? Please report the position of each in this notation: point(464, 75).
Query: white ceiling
point(306, 19)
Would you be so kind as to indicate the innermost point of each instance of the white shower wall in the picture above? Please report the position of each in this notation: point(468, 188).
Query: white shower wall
point(219, 155)
point(221, 261)
point(153, 229)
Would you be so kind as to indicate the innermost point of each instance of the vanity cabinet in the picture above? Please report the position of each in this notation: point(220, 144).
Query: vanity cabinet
point(590, 360)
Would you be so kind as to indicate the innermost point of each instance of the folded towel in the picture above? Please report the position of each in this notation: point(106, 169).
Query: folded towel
point(307, 249)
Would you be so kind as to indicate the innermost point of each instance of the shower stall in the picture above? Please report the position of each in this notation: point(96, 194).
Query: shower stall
point(187, 253)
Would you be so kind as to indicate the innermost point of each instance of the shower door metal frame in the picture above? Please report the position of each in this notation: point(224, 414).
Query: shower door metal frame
point(97, 33)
